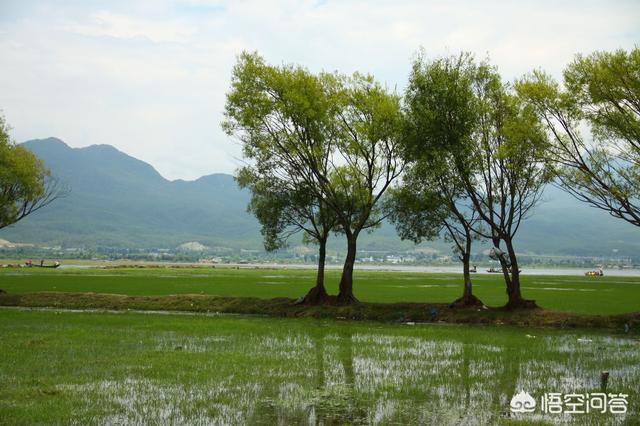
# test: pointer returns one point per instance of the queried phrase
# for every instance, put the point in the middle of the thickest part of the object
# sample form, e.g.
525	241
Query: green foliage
507	171
417	207
440	116
602	90
282	116
440	107
280	210
474	142
606	88
331	134
22	179
366	159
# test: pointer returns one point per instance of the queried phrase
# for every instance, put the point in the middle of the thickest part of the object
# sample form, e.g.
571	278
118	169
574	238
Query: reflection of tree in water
328	394
477	384
507	374
336	403
346	355
318	345
441	380
464	373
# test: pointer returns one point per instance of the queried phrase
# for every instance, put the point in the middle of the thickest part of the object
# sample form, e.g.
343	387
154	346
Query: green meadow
96	367
583	295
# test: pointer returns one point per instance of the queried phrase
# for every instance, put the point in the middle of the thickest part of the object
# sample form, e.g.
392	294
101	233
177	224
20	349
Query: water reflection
350	374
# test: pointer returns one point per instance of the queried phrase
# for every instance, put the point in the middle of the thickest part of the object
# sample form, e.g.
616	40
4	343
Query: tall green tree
428	204
26	185
331	136
364	164
283	116
432	199
601	90
492	144
511	171
283	211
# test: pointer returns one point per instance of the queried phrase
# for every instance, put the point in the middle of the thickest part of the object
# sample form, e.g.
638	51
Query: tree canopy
282	116
482	147
26	185
601	90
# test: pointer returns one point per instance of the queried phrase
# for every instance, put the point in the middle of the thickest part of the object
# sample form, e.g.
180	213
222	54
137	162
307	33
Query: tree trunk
516	300
503	264
318	294
467	299
345	295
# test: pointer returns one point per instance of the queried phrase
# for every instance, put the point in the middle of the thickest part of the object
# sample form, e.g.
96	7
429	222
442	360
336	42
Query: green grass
599	296
99	368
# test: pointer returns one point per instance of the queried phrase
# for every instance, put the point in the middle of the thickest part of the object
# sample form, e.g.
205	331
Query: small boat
42	265
597	273
474	269
499	271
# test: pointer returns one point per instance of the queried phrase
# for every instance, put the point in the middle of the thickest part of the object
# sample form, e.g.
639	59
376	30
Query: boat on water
499	271
30	264
597	273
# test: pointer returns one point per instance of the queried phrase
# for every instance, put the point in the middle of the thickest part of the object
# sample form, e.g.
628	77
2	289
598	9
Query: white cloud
107	24
150	77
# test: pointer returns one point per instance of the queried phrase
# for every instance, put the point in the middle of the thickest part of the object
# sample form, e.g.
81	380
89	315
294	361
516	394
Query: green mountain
119	201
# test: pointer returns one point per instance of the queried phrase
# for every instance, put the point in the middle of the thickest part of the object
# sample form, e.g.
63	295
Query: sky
150	77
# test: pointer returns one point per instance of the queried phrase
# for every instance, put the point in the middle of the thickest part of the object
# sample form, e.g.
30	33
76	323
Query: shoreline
410	313
543	271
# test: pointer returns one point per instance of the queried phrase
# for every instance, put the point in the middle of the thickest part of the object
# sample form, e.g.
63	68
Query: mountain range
118	201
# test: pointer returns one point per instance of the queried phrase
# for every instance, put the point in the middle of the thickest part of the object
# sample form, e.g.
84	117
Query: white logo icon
523	403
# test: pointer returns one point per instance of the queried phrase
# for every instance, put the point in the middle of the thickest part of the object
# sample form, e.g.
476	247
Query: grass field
100	368
66	367
598	296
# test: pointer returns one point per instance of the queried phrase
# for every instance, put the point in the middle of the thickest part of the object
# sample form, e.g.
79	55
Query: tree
511	171
603	91
492	141
430	203
26	185
433	197
283	118
328	135
284	211
364	163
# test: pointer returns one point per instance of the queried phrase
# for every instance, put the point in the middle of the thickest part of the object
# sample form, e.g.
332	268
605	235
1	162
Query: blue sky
150	77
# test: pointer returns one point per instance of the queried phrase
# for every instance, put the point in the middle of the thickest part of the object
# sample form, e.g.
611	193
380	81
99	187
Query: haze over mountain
119	201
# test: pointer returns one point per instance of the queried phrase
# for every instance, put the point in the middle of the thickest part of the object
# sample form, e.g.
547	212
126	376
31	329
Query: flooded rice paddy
107	368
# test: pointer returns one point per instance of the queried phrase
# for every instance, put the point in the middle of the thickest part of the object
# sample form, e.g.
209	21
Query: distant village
196	252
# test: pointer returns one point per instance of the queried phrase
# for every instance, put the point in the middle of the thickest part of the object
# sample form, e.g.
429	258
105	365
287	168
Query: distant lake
482	270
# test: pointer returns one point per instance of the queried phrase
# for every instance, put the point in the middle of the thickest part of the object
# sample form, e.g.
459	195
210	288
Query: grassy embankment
609	302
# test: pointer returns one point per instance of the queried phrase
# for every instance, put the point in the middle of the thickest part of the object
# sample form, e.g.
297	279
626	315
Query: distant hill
119	201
